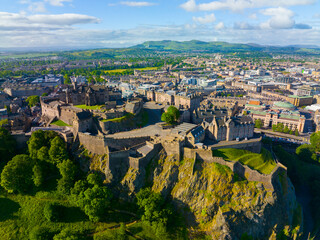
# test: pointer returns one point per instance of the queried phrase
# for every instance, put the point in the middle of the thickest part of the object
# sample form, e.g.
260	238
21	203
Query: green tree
171	115
304	152
92	199
38	176
67	170
57	151
7	145
33	100
155	212
17	174
315	141
280	127
66	78
286	129
274	127
66	234
258	123
296	132
40	233
43	154
52	212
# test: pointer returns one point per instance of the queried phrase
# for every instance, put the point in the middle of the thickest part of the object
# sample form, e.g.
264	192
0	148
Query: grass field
20	214
123	70
263	162
96	107
120	119
60	123
26	55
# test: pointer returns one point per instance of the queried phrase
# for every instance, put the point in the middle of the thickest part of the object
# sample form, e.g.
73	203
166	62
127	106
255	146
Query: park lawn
123	70
21	213
262	162
60	123
96	107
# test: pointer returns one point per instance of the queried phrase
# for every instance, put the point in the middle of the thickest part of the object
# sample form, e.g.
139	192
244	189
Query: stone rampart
142	162
243	171
94	144
124	143
253	145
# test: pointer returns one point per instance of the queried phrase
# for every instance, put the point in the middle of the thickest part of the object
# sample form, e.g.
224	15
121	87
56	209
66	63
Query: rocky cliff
214	200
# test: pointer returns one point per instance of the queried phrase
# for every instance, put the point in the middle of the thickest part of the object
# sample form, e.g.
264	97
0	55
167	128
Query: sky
111	23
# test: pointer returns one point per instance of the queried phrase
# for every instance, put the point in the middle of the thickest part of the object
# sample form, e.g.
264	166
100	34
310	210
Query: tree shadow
8	208
71	214
135	230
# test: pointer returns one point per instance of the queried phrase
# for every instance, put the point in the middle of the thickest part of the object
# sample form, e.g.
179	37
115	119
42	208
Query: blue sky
112	23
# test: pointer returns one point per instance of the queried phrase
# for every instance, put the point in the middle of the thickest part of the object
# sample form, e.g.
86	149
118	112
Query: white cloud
41	22
219	26
137	4
253	16
281	18
240	5
57	3
205	20
35	6
189	6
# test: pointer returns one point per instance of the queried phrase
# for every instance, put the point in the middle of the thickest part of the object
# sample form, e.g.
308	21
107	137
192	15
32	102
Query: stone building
281	112
229	128
91	95
299	101
183	100
52	109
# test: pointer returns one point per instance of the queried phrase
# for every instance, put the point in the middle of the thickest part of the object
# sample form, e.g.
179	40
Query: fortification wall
94	144
124	143
172	148
242	170
250	145
118	159
142	162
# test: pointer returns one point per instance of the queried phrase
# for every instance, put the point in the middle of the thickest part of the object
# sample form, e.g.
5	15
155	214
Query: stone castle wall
124	143
142	162
242	170
94	144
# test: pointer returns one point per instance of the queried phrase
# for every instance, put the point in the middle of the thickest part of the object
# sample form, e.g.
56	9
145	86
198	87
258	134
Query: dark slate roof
196	131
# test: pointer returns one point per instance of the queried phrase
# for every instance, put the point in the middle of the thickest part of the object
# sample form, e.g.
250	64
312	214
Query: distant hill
223	47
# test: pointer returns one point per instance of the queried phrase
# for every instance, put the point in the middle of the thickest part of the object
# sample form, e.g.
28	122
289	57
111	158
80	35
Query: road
154	112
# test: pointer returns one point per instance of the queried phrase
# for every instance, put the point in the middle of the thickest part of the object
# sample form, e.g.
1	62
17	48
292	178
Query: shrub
52	212
40	233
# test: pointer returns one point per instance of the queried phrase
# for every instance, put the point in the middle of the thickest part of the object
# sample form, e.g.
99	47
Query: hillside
222	47
214	201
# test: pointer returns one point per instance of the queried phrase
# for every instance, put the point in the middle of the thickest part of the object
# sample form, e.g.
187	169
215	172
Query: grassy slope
123	70
60	123
96	107
21	213
263	162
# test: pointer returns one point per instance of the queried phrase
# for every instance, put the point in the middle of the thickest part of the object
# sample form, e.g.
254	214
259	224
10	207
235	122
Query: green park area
262	162
123	70
60	123
95	107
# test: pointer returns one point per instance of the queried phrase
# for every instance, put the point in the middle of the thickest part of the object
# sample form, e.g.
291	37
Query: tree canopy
17	174
33	100
7	145
171	115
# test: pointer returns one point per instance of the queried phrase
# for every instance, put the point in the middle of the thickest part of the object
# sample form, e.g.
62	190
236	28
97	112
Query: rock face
214	200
